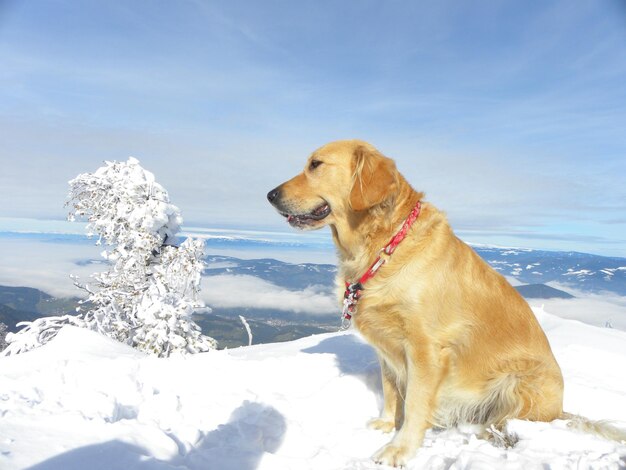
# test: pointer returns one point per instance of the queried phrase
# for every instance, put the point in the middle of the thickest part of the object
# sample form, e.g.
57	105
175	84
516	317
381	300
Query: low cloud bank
46	265
602	310
229	291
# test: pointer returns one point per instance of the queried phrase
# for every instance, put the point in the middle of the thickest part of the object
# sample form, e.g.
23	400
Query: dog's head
339	179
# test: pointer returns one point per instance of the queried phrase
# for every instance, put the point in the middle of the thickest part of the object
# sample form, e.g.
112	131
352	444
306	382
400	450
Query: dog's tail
602	428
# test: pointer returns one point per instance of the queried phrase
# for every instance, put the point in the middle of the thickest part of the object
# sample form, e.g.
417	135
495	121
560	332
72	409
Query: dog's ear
374	178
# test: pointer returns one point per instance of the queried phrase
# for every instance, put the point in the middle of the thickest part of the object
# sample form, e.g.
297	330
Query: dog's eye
314	164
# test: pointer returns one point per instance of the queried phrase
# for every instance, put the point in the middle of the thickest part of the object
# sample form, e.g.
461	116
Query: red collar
354	289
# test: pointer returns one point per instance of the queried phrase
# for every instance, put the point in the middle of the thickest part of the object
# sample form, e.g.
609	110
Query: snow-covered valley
86	402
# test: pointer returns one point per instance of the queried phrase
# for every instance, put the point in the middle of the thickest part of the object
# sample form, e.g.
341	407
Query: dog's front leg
423	379
391	416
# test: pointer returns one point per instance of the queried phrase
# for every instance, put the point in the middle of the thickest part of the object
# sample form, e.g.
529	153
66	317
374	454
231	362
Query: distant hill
19	304
22	298
10	317
541	291
581	271
292	276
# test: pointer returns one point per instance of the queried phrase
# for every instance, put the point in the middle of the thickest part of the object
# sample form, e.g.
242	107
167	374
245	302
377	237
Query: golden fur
456	342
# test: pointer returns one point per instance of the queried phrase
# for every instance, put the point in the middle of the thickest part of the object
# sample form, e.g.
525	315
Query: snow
582	272
84	401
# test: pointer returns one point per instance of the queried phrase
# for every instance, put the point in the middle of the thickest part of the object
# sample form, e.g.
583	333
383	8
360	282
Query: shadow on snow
353	357
252	430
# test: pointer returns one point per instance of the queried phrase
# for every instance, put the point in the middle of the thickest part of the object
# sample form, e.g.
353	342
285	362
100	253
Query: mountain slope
293	276
541	291
582	271
10	317
22	298
18	304
84	401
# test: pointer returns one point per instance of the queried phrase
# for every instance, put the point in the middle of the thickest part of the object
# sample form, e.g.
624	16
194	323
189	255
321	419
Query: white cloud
593	309
46	265
228	291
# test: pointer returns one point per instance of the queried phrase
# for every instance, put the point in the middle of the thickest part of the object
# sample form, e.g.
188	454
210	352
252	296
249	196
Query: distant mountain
582	271
290	276
22	298
19	304
10	317
541	291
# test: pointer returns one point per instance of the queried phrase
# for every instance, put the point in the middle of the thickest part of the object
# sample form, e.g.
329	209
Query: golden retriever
456	343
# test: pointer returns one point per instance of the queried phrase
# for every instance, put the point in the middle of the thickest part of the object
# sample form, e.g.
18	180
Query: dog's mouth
303	220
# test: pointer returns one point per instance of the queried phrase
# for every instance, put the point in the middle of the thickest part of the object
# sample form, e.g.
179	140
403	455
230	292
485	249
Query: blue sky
511	116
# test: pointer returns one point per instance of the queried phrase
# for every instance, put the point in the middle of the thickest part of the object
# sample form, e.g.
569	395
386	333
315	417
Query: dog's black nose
272	195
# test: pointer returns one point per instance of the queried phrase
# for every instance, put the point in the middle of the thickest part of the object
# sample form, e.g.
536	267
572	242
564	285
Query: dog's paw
382	424
393	455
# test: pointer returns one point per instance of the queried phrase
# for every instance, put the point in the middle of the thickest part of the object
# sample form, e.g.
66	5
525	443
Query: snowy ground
86	402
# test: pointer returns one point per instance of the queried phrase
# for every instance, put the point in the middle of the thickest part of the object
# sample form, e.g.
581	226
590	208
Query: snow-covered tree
148	294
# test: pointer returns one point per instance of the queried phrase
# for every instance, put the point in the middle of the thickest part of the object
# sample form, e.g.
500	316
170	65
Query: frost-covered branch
38	332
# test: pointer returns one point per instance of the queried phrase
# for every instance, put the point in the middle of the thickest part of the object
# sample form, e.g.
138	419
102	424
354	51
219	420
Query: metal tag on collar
345	323
346	314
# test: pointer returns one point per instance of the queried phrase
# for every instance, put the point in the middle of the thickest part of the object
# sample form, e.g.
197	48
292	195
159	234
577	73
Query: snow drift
84	401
